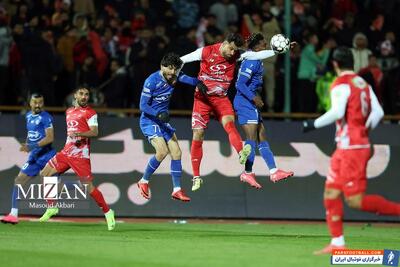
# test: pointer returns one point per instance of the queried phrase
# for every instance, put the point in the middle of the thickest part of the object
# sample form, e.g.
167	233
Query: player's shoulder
28	114
45	115
152	80
90	111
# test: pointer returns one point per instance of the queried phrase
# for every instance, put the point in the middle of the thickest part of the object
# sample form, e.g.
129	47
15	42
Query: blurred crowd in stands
111	46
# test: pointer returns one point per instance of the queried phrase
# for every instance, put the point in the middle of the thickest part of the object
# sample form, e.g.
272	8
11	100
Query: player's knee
176	154
161	153
331	193
19	180
198	134
354	203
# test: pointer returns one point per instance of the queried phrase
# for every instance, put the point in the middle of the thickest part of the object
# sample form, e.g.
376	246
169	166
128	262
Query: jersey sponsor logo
72	123
162	98
218	69
34	135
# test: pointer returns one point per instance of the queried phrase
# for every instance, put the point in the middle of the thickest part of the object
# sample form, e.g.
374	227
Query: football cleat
110	219
244	154
328	249
197	182
180	195
144	189
280	175
9	219
50	212
250	178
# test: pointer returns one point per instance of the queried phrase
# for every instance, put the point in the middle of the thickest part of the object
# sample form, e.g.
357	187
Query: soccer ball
279	43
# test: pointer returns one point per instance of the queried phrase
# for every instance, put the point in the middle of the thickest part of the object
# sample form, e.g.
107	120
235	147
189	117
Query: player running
39	126
154	103
81	126
217	67
356	110
247	104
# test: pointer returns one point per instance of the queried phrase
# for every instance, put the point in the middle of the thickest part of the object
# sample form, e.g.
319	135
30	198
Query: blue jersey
36	125
248	85
157	92
250	78
155	98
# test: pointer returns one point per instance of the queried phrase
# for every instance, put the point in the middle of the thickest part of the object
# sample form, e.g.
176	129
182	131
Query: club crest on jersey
359	82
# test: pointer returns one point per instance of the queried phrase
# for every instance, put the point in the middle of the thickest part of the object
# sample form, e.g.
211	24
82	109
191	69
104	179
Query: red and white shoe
250	178
180	195
280	175
328	249
144	189
9	219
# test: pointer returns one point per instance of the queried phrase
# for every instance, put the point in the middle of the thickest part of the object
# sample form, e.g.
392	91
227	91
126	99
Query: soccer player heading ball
356	111
154	122
247	105
217	68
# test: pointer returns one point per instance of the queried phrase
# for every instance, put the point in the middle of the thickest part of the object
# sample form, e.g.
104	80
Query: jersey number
364	103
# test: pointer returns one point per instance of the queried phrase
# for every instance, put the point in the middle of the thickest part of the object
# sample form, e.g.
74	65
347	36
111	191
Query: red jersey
79	120
351	132
216	72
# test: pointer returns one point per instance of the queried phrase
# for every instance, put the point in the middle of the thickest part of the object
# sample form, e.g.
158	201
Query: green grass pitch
180	245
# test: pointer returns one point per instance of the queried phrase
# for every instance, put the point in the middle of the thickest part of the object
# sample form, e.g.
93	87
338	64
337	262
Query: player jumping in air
39	125
247	104
217	67
154	103
356	111
81	126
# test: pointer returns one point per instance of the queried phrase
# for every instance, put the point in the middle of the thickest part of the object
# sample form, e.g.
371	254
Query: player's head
170	65
342	59
231	45
256	42
81	96
36	102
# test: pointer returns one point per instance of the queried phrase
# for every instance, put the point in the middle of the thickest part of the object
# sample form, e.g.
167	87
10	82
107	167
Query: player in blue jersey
154	104
40	136
247	104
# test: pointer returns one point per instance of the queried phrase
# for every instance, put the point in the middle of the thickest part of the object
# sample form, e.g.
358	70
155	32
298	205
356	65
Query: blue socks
151	168
176	173
267	155
250	160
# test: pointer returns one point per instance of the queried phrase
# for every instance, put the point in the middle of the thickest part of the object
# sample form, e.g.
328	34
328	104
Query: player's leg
20	180
334	219
266	153
333	204
176	169
200	119
248	175
355	191
53	167
161	148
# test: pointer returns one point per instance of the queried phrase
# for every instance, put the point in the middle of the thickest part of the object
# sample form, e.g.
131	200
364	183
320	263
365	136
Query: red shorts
204	105
348	171
80	166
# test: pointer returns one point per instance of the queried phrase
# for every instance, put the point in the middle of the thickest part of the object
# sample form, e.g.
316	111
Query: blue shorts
246	111
34	164
152	129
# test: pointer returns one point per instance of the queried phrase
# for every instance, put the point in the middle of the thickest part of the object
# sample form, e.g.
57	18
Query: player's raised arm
193	56
260	55
376	113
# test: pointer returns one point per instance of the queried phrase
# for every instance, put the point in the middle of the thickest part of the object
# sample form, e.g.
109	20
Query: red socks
380	205
98	197
234	136
334	208
196	153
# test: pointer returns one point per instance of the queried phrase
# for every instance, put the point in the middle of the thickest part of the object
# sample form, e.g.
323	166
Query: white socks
143	181
176	189
273	170
338	241
14	212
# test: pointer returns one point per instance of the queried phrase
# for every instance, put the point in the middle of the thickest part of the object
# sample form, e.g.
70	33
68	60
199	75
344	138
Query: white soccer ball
280	43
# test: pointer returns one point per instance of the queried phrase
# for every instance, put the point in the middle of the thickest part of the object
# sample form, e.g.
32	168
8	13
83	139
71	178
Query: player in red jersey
81	126
217	68
356	110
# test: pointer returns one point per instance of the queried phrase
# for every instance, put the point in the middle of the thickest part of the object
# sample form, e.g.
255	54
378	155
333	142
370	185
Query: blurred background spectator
52	46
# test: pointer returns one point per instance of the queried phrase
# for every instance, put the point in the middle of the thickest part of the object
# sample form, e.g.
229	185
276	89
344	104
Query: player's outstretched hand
202	87
163	116
308	125
258	102
293	44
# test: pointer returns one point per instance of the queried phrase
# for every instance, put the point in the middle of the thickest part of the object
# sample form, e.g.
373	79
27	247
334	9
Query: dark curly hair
171	59
254	39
